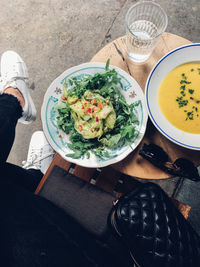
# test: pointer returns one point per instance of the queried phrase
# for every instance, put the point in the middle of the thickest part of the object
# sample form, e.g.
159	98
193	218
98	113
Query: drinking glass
145	22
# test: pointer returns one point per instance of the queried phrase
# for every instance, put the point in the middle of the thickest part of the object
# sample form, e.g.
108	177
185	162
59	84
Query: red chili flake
60	136
80	127
93	101
97	119
89	110
95	109
64	98
100	105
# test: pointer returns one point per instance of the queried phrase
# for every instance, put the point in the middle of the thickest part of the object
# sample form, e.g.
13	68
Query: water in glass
141	40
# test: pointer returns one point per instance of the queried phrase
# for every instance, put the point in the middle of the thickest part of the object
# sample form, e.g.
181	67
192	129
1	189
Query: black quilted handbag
153	229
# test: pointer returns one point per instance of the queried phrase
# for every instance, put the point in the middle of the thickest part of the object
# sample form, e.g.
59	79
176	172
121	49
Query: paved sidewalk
53	35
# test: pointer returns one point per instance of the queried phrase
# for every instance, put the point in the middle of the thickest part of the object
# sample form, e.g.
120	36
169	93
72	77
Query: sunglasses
181	167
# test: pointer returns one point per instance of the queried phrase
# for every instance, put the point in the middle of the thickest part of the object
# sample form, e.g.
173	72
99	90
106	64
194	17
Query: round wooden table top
134	164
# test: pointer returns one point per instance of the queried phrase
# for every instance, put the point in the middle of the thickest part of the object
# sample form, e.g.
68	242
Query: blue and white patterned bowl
129	89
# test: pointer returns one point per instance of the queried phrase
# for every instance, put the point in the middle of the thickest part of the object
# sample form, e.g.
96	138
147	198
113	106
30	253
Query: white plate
129	89
181	55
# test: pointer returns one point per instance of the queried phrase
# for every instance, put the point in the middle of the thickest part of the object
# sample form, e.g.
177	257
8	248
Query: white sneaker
14	74
40	153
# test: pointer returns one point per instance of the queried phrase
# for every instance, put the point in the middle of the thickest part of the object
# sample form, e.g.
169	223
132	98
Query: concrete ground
54	35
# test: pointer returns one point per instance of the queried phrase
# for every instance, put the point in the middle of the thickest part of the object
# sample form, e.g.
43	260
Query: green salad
95	114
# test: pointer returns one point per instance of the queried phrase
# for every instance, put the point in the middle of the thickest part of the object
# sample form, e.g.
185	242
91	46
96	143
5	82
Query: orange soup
179	97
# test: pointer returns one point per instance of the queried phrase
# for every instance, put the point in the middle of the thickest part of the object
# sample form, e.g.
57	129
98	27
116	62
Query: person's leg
16	105
28	179
34	232
15	100
29	237
40	155
10	112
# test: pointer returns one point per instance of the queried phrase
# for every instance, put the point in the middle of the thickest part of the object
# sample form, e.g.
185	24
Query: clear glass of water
145	22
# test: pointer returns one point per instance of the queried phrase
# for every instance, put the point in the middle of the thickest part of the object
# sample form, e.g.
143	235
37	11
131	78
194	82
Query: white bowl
129	89
181	55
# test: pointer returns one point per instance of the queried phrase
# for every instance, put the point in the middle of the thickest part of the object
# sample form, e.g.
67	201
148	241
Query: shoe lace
35	160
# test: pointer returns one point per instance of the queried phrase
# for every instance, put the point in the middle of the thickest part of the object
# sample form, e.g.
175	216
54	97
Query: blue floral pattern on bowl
59	140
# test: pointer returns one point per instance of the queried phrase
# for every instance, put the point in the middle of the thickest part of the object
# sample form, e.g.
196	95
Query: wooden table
109	178
134	164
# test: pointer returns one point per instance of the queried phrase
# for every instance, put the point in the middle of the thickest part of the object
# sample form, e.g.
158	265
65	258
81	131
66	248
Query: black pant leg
35	233
10	112
28	179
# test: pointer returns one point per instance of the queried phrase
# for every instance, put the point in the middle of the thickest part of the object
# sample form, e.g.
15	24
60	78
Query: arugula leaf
107	64
76	155
111	142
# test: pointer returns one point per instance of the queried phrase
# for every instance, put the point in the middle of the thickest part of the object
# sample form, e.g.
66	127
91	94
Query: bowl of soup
172	96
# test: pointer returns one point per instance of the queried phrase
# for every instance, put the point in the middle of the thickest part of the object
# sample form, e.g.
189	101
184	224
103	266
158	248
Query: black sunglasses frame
182	167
